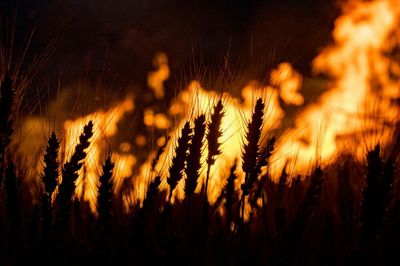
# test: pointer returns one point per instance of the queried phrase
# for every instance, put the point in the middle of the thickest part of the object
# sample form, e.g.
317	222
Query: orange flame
105	126
288	81
353	104
155	79
357	105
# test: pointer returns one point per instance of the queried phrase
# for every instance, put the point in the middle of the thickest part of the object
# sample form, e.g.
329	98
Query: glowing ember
155	79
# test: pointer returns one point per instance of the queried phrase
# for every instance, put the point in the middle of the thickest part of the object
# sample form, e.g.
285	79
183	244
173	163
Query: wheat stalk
49	179
193	159
70	175
105	195
179	159
213	135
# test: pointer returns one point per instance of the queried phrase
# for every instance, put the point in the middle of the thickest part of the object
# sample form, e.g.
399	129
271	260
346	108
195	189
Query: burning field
284	168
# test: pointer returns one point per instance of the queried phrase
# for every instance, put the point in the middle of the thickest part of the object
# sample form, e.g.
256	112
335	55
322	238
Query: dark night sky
256	34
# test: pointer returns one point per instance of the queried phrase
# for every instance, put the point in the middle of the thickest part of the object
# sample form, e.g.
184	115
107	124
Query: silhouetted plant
179	159
193	159
305	211
371	193
378	179
280	215
151	194
51	168
105	195
7	95
12	202
262	161
49	179
231	195
251	151
213	136
346	201
70	175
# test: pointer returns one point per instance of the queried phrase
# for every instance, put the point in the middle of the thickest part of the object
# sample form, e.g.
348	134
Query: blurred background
121	37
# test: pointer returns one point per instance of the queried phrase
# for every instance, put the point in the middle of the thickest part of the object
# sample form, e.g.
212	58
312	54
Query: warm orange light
156	79
353	114
357	103
105	126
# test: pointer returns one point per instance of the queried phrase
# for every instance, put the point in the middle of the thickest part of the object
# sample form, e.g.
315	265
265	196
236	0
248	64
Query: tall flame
357	103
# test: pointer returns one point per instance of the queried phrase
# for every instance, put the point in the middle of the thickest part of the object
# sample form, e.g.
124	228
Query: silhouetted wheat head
70	174
194	158
105	196
178	161
251	161
213	136
50	178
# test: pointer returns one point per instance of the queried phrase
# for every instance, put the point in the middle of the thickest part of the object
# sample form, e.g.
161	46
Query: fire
357	102
195	100
289	82
105	126
159	121
155	79
357	107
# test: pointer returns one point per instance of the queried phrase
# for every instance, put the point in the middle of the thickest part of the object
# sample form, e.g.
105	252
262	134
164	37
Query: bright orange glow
159	121
125	146
155	79
288	81
195	100
354	113
354	105
105	126
141	140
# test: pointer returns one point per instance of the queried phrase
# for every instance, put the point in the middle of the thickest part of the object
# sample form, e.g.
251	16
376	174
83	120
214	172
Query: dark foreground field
346	213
